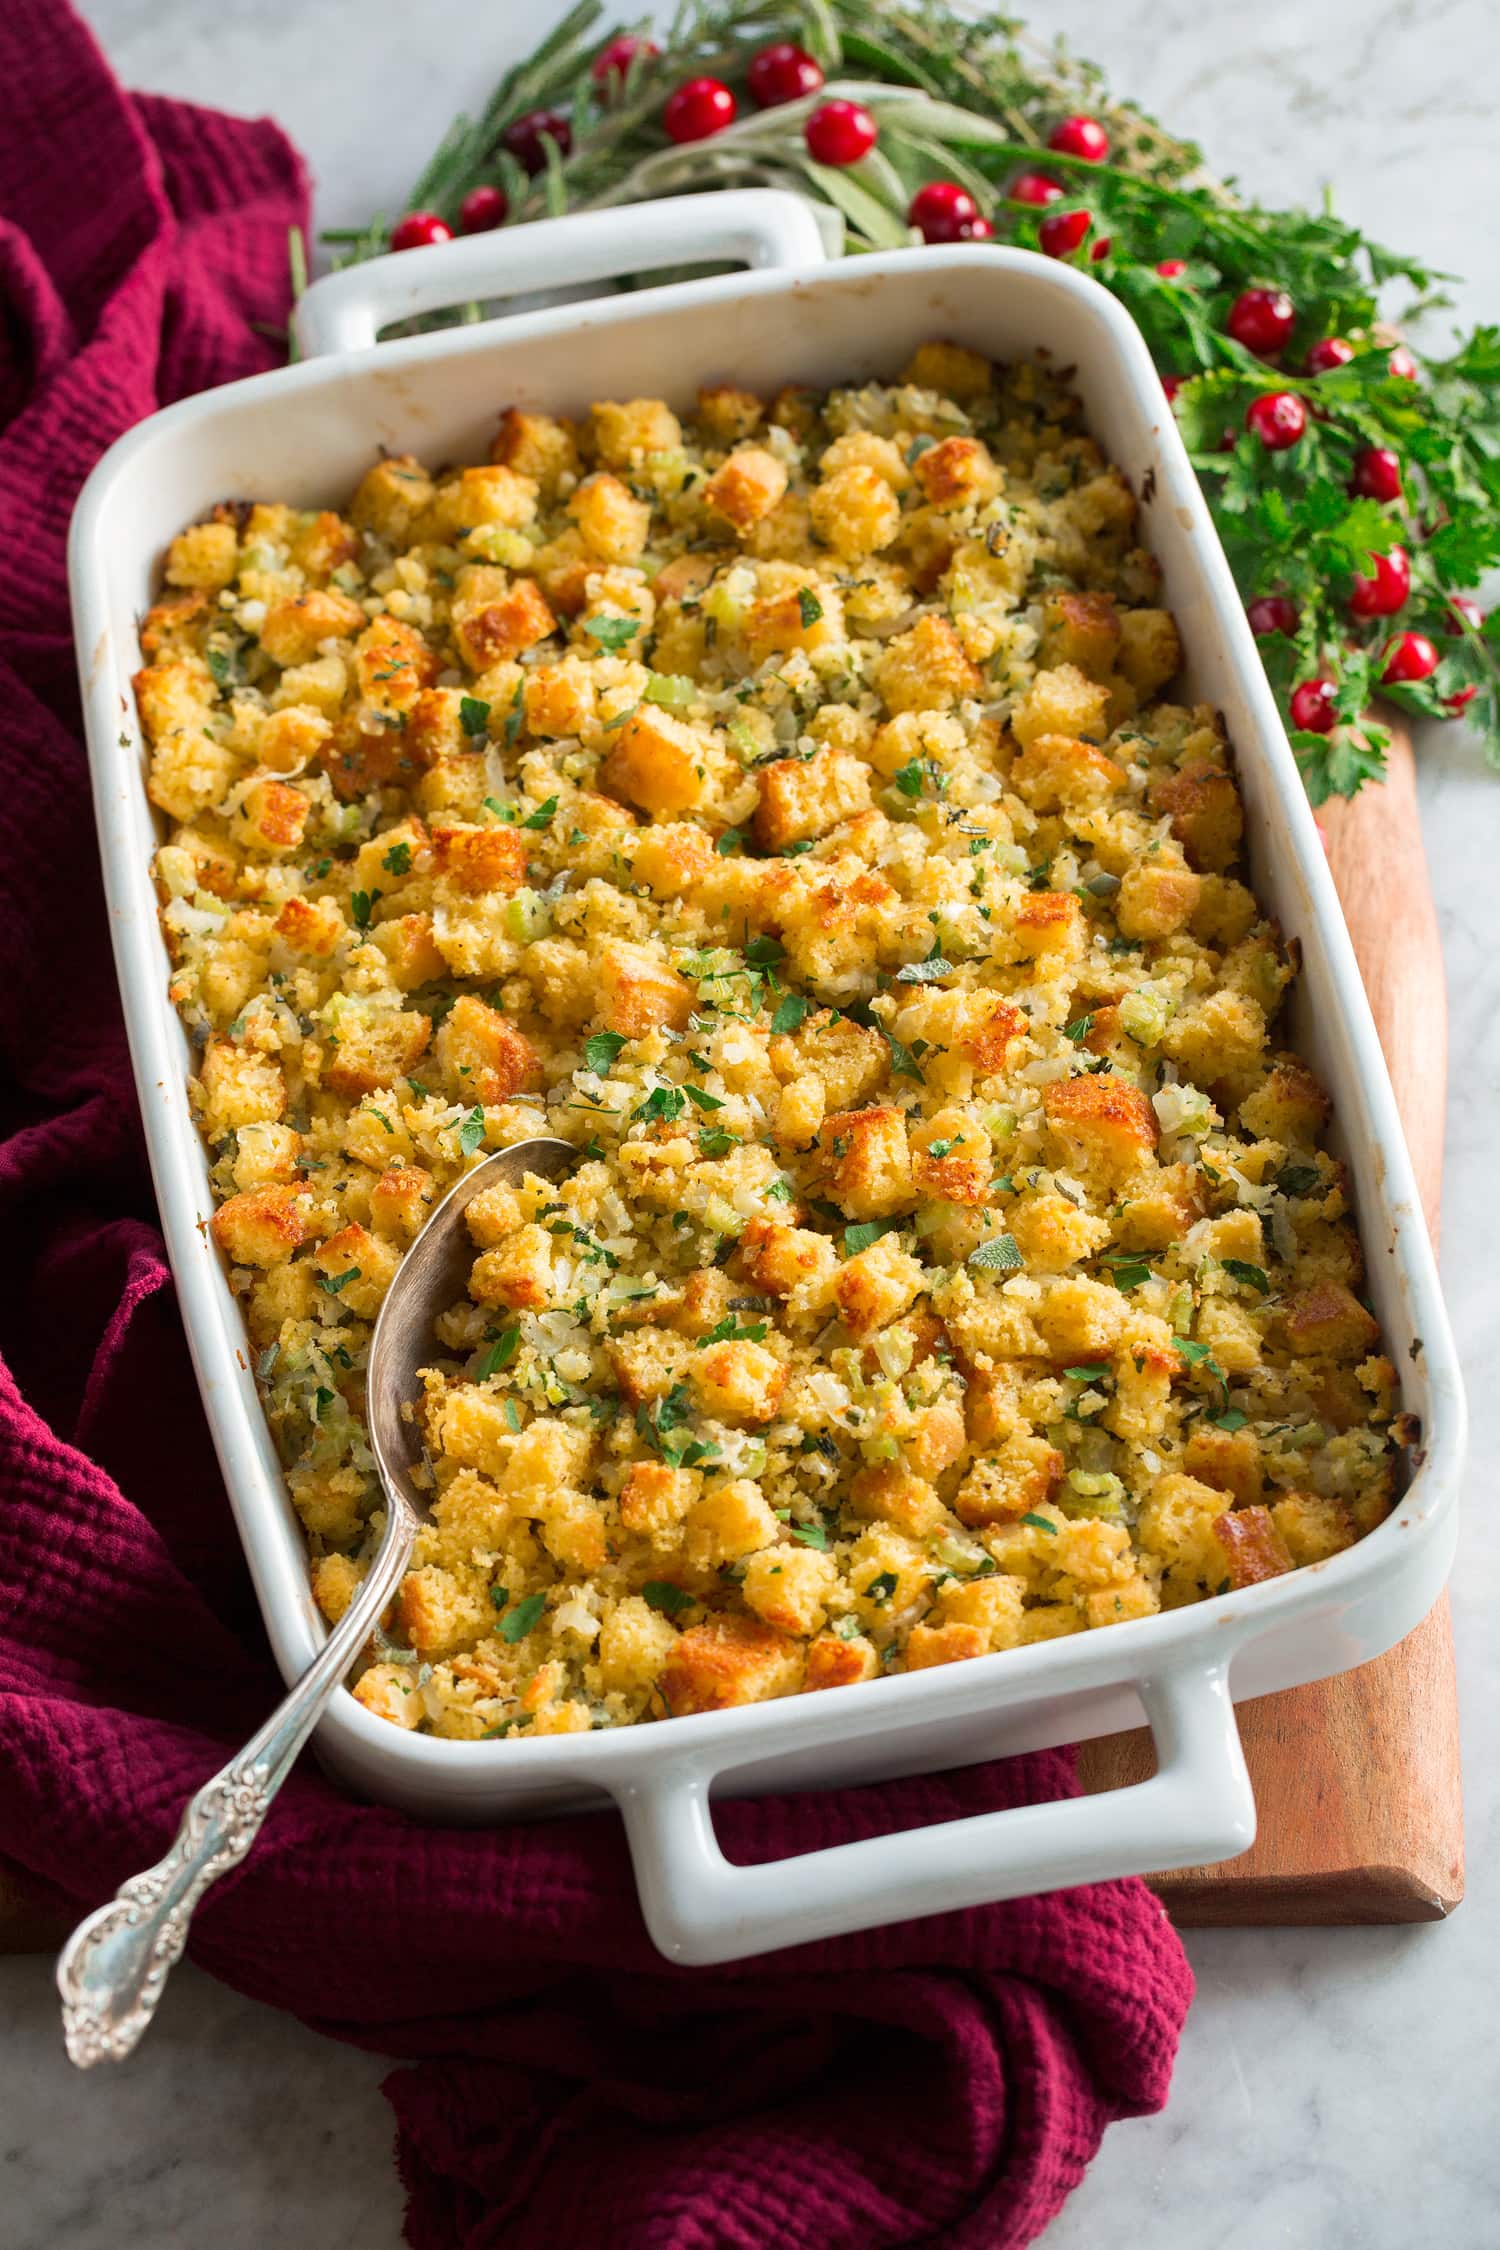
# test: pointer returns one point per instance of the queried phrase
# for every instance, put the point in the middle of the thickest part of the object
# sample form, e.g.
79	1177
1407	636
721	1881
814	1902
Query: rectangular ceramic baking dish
305	434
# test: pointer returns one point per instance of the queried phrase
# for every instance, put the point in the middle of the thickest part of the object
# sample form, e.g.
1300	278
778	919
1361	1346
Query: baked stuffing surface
781	805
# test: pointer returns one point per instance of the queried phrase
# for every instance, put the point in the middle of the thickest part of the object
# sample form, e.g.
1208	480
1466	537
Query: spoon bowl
114	1967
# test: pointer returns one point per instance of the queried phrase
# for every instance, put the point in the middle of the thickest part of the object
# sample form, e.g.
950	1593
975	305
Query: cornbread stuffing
780	805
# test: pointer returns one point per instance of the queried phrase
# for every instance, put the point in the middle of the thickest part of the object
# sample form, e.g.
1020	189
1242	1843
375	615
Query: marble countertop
1336	2090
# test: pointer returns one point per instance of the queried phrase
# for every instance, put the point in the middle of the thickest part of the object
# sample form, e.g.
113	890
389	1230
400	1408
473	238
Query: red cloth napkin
943	2081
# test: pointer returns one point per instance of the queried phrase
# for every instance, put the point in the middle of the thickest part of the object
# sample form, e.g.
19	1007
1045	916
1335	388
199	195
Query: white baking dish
305	434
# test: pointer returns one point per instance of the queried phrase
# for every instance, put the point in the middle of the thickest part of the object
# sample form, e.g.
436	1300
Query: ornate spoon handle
114	1968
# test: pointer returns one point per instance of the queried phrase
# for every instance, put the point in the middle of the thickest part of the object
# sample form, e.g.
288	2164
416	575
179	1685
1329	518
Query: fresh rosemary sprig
970	100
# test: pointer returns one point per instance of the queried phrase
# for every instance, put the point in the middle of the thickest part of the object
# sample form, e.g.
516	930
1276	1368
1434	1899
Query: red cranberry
481	209
612	62
1464	606
1101	249
525	138
1410	656
977	229
1402	365
1461	700
1172	269
1314	708
1384	591
1080	136
1261	320
1172	384
418	229
1330	351
699	108
840	133
1273	613
1035	187
783	73
940	209
1377	473
1278	419
1061	232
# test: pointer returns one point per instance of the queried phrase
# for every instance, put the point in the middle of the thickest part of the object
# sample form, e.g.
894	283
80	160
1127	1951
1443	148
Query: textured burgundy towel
943	2081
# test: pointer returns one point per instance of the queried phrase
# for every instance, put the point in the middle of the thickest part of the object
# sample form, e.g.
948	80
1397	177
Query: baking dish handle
761	227
700	1908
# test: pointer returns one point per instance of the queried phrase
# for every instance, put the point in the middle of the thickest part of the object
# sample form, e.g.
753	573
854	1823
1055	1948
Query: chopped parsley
809	606
601	1051
612	632
474	714
791	1012
543	816
517	1623
332	1283
362	905
500	1354
1040	1523
471	1131
857	1238
663	1102
660	1593
397	860
1252	1276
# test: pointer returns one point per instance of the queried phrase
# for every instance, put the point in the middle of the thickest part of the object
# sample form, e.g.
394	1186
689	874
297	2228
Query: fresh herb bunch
1320	446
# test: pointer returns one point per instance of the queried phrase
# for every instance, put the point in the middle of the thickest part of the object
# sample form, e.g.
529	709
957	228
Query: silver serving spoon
113	1969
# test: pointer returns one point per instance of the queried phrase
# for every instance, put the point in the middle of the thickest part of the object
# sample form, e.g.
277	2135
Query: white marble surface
1337	2090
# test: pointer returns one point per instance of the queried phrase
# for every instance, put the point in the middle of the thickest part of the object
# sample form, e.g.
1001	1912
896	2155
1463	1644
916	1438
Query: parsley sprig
974	101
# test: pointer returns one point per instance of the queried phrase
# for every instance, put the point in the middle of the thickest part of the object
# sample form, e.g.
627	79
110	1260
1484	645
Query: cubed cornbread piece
336	1580
357	1268
205	555
493	620
412	955
1228	1459
927	1645
536	446
1052	1233
952	1158
1061	701
265	1153
957	472
1157	897
1313	1527
1049	925
655	1498
497	495
1176	1524
780	1259
868	1161
746	488
789	1586
292	738
517	1272
1102	1123
295	628
1011	1482
190	772
390	1691
260	1227
1058	771
559	699
439	1612
390	496
728	1523
1253	1546
671	856
738	1381
1329	1320
480	859
638	991
658	762
835	1661
272	816
1150	650
877	1285
623	432
727	1661
993	1604
482	1056
949	368
855	511
401	1199
394	666
1082	630
1080	1320
374	1048
1288	1105
798	610
926	669
238	1087
1204	807
634	1643
801	798
614	524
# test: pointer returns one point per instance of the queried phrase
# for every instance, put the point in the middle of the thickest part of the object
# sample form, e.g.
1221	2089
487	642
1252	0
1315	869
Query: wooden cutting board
1356	1779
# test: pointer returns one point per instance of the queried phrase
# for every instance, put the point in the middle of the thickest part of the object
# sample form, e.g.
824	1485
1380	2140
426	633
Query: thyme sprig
972	99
